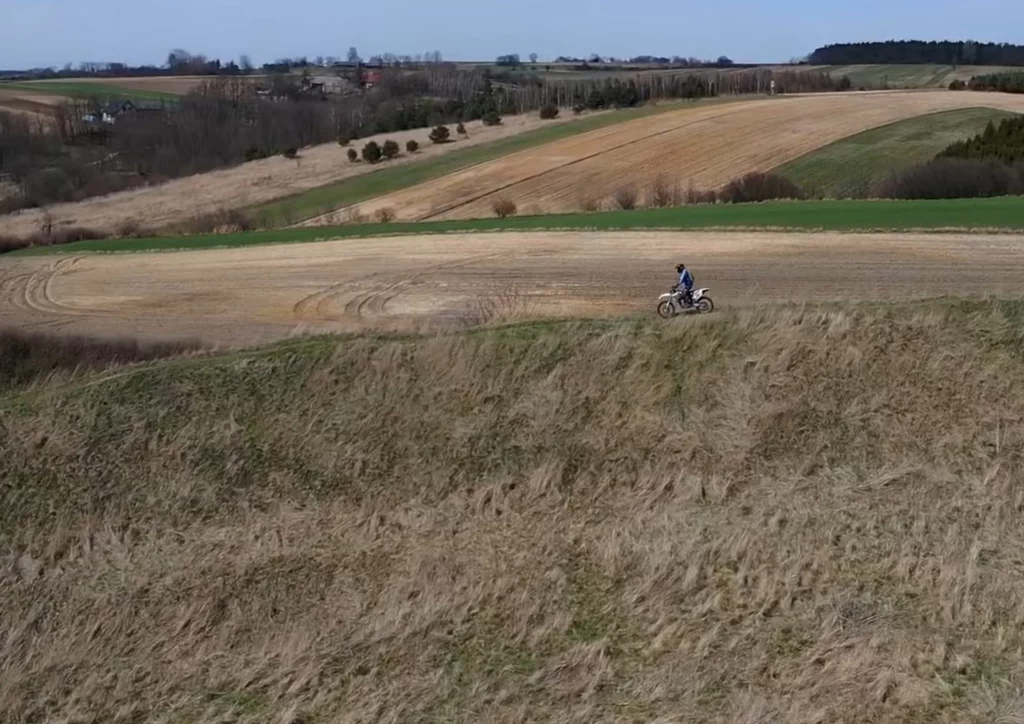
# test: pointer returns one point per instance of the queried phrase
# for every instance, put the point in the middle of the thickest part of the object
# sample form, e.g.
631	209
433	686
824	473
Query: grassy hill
788	514
918	75
852	166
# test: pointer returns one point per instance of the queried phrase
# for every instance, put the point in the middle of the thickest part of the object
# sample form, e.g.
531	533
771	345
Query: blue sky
53	32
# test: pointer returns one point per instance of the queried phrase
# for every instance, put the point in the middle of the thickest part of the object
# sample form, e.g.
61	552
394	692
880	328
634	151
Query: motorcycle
672	304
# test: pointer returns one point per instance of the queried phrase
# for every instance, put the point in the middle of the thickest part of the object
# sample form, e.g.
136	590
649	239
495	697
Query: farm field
259	182
142	88
704	148
921	75
252	295
851	167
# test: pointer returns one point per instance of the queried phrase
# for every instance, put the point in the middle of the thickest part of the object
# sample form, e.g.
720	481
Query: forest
960	52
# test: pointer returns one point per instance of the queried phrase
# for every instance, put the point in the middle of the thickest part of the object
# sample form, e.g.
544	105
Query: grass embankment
325	199
73	89
850	168
995	214
794	514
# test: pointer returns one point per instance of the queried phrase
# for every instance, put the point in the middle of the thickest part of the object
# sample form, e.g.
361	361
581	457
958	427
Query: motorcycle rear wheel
705	305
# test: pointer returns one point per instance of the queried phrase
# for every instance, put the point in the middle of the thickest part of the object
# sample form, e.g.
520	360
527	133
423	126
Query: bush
625	198
130	229
384	215
504	208
372	152
491	118
48	186
957	85
759	186
578	109
389	150
441	134
589	203
695	196
344	139
549	112
954	178
25	356
352	155
412	146
461	130
226	221
291	153
662	194
254	154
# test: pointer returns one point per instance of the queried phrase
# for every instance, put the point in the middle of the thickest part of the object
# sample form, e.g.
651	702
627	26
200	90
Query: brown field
251	183
245	296
703	147
179	85
28	102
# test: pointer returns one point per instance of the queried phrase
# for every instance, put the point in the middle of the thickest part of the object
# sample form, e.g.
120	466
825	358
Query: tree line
1002	82
960	52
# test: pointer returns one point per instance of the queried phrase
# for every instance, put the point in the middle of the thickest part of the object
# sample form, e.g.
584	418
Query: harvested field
704	147
245	296
178	85
253	183
29	102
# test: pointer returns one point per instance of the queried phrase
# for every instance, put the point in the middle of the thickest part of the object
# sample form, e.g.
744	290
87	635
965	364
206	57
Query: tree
246	63
352	155
511	61
353	55
390	149
372	152
549	112
724	60
440	134
491	118
504	208
412	146
533	58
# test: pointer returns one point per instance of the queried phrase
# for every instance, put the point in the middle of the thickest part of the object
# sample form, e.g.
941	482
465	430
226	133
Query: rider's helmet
679	268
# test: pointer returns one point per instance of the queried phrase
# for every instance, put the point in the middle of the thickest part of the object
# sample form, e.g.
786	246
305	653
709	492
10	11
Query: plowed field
703	147
244	296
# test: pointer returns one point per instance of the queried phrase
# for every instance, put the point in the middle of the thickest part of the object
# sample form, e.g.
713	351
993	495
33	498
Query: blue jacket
686	280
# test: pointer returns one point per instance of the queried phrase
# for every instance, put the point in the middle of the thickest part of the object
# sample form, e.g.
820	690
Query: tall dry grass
799	515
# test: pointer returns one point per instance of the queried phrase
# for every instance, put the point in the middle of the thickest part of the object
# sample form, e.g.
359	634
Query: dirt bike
672	304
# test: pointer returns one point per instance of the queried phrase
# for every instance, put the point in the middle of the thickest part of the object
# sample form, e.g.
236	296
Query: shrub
384	215
626	198
549	112
957	85
589	203
662	194
759	186
504	208
255	154
291	152
412	146
225	221
129	229
344	139
48	186
372	152
954	178
578	109
441	134
696	196
461	130
390	150
25	356
352	155
491	118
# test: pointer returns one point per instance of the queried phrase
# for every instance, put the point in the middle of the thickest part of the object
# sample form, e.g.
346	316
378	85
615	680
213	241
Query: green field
998	214
79	89
851	167
325	199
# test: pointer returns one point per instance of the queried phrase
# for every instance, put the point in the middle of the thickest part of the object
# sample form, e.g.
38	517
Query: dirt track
245	296
703	147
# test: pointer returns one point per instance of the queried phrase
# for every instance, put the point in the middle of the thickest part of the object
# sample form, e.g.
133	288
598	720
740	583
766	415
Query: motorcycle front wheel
705	305
665	310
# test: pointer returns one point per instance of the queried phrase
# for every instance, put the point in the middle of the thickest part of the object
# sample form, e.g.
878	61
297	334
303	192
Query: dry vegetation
704	147
797	514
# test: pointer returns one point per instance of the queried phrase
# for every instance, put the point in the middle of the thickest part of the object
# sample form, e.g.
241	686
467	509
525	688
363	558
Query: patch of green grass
1006	213
850	167
324	199
79	89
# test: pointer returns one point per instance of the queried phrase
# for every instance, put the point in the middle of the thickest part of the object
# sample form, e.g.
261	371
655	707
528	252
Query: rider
685	286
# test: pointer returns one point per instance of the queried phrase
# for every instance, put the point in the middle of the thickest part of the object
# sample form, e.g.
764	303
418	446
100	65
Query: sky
44	33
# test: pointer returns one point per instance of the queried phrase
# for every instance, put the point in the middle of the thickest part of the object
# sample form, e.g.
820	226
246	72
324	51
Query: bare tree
246	63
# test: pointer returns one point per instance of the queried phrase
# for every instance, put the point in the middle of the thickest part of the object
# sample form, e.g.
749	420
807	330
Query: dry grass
799	515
